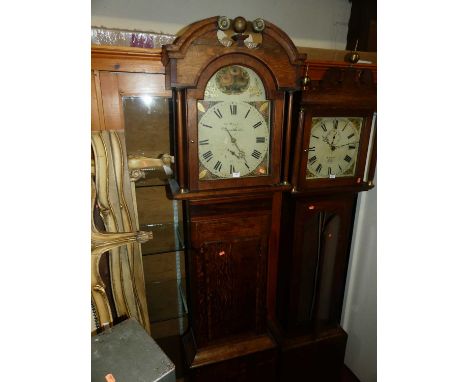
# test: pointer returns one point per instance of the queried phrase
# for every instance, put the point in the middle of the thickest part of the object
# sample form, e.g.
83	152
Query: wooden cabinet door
228	279
319	245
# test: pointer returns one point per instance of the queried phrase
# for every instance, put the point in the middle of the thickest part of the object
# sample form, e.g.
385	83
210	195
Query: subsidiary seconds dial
333	147
233	139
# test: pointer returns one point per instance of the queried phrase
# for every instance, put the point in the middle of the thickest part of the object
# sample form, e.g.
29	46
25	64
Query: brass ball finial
223	23
240	24
258	25
353	57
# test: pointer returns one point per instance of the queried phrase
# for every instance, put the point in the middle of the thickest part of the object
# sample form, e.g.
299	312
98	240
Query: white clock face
233	139
333	147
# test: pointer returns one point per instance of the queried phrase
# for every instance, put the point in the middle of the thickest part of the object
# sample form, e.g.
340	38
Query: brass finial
353	57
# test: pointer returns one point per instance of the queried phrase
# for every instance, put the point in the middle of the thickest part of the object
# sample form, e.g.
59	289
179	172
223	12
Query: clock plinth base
247	360
320	358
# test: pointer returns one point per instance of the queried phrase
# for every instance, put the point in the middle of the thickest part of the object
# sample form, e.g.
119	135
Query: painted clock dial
333	147
233	126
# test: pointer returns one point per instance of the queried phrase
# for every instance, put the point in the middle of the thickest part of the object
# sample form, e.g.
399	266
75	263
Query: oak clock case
333	162
230	80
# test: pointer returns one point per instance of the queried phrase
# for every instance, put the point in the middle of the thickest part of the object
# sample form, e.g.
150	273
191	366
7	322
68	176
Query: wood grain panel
228	277
112	106
126	59
142	83
231	267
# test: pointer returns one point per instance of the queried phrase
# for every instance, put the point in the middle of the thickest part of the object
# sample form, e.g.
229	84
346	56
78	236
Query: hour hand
233	153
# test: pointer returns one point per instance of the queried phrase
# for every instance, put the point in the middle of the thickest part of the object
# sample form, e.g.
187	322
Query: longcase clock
334	160
233	82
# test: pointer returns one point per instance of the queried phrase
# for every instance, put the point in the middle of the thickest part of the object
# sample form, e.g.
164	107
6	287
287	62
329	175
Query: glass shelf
166	300
167	237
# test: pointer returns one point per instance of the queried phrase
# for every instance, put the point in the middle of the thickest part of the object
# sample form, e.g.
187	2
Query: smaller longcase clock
233	126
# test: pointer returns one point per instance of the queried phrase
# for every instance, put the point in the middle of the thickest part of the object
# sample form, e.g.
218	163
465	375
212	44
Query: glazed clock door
334	148
233	126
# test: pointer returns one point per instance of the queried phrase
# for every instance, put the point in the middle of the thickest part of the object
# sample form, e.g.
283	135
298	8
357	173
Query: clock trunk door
322	229
228	262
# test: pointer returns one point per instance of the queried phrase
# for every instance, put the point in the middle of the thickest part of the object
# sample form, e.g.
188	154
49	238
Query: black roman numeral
340	168
257	124
218	166
208	156
232	169
329	171
350	136
260	139
233	109
344	127
324	128
347	158
246	165
205	125
351	147
312	160
312	148
203	142
218	113
319	167
315	136
256	154
335	124
248	111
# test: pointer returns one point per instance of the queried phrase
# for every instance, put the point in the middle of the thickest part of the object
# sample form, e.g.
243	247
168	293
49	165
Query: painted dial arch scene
233	126
333	147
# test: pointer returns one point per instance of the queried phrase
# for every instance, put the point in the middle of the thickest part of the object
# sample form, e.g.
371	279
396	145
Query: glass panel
160	215
147	135
234	126
147	121
165	286
167	300
333	147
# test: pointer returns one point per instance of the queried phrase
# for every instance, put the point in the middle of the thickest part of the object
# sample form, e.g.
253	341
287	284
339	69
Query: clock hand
349	143
241	153
234	140
233	153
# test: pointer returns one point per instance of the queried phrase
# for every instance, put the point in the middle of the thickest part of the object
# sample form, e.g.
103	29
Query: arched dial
333	147
233	139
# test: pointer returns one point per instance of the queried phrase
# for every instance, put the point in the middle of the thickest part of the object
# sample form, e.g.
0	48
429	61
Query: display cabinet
139	105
